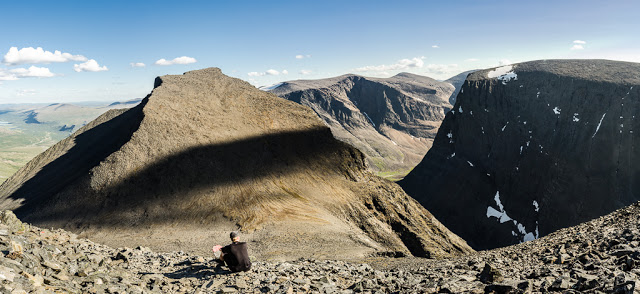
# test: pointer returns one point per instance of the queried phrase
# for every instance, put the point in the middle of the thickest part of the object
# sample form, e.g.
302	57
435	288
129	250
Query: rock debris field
600	256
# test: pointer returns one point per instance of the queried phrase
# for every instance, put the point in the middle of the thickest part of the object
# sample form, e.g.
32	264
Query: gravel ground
600	256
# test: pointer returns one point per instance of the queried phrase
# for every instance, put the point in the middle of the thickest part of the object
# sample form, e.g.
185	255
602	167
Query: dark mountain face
532	148
393	121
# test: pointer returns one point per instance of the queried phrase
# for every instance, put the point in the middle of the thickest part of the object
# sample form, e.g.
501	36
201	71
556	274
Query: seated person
234	255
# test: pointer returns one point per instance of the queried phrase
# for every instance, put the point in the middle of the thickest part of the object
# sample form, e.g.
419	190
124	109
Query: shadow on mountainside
198	183
91	147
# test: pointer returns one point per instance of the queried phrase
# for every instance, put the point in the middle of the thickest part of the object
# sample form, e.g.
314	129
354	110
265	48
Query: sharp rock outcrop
392	121
533	147
205	154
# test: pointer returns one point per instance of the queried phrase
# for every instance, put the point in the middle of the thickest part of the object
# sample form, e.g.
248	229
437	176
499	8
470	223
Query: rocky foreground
601	256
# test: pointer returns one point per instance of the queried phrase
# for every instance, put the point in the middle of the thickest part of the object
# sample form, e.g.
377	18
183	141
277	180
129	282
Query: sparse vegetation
21	141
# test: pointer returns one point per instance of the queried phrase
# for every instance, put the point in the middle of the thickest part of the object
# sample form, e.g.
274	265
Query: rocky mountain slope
392	121
601	256
531	148
205	154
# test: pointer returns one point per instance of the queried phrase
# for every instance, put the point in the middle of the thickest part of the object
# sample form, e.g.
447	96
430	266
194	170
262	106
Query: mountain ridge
392	120
207	150
531	148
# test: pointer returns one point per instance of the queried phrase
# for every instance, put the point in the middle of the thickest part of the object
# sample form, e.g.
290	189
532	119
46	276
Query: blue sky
265	42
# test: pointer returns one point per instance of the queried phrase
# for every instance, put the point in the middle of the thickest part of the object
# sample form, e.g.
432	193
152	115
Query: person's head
235	237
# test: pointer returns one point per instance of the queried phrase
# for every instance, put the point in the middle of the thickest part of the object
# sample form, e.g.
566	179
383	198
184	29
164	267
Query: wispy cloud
269	72
177	60
402	64
30	55
90	65
31	72
305	72
435	46
300	56
5	75
26	92
441	69
137	64
578	45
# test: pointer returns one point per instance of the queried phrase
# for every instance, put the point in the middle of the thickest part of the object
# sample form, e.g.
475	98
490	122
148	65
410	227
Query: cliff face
205	154
532	148
392	121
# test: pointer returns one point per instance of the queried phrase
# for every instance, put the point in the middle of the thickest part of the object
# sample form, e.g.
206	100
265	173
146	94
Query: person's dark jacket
236	256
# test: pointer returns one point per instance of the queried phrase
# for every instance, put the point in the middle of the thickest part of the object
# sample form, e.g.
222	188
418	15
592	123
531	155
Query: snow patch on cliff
503	73
371	121
599	124
503	217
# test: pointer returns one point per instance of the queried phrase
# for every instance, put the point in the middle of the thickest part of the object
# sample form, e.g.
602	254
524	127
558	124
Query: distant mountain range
205	154
28	129
531	148
393	120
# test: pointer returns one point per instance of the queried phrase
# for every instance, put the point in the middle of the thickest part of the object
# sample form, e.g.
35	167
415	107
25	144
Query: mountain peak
205	153
406	75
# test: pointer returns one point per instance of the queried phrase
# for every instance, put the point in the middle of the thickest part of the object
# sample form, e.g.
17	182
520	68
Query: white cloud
402	64
31	72
435	46
270	72
305	72
578	45
7	76
90	65
177	60
504	62
300	56
38	55
137	64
